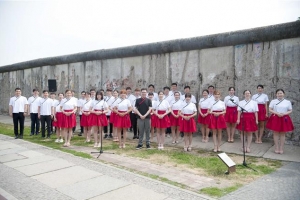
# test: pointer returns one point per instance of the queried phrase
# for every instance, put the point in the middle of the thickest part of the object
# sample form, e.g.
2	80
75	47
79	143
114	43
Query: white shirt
211	96
172	93
170	97
98	105
163	105
250	107
45	106
56	105
280	106
18	103
229	103
260	98
155	96
85	105
115	103
34	103
176	105
154	104
80	103
69	104
109	100
189	108
193	99
217	105
204	103
123	105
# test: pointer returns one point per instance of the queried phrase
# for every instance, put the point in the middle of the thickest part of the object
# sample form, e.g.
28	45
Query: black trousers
46	119
81	127
110	126
133	120
35	123
18	118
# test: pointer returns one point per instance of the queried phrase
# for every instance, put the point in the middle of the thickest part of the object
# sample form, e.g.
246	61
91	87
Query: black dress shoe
20	136
31	134
79	134
16	137
134	137
110	135
105	136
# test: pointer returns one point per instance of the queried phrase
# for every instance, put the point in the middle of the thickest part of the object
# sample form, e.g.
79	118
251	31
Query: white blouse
69	104
123	105
189	108
248	106
154	104
260	98
56	104
204	103
34	104
45	106
176	105
229	103
86	104
18	103
217	105
110	101
98	105
163	105
281	106
170	97
80	102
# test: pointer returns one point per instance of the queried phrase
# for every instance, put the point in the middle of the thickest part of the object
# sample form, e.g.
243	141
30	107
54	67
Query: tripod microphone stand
243	131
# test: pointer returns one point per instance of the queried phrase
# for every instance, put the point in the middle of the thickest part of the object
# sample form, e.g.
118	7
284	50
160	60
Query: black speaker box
52	85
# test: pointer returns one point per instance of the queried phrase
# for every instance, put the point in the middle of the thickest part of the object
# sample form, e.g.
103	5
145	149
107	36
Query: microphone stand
243	131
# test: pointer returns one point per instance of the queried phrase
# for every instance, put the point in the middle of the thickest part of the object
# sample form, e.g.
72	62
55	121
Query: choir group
166	112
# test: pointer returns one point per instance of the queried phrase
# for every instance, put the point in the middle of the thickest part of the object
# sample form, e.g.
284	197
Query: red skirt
59	118
262	112
164	122
187	126
280	124
86	120
122	121
99	120
231	115
248	121
217	122
174	121
112	117
204	120
153	120
68	121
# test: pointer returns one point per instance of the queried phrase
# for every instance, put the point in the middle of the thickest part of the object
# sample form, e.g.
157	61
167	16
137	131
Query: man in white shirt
33	103
211	90
93	94
109	99
187	90
168	95
133	116
151	90
174	89
80	103
44	113
18	106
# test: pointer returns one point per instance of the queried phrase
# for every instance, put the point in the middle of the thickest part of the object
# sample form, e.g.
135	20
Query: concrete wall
274	64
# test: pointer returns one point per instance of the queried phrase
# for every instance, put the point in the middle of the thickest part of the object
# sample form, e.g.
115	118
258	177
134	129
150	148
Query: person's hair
217	92
45	91
143	89
101	90
246	91
83	92
92	90
261	86
187	87
231	88
35	90
52	93
108	90
18	89
137	89
73	91
160	92
128	88
123	91
174	84
88	93
205	91
67	91
278	90
166	87
188	95
151	85
116	91
176	93
99	93
60	94
211	86
150	94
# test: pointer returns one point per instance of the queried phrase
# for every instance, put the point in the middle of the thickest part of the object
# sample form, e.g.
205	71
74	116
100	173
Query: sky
38	29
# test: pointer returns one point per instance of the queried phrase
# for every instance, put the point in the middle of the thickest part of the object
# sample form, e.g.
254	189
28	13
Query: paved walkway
31	171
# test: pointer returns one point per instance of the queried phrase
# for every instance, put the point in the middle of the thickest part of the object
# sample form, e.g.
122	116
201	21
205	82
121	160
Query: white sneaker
95	145
99	145
57	140
61	140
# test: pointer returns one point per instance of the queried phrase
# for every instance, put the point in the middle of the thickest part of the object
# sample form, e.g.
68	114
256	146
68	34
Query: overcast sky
38	29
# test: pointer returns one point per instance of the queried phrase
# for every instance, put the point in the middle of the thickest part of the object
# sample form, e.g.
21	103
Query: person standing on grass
176	106
44	113
143	108
17	110
33	103
153	117
86	117
113	115
204	116
57	118
109	100
80	103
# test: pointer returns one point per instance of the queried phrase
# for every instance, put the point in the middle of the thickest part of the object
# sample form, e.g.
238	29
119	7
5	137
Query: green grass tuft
219	192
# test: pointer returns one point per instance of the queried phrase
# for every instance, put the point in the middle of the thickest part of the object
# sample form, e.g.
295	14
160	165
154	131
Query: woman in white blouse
204	116
122	120
176	106
162	110
68	107
217	120
57	118
231	103
188	124
86	117
280	122
247	121
98	108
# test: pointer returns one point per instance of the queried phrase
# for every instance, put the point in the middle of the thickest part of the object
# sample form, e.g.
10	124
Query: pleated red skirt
59	118
98	120
174	121
248	121
204	120
217	122
231	115
153	120
86	120
262	112
68	121
187	126
280	124
122	121
112	117
164	122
